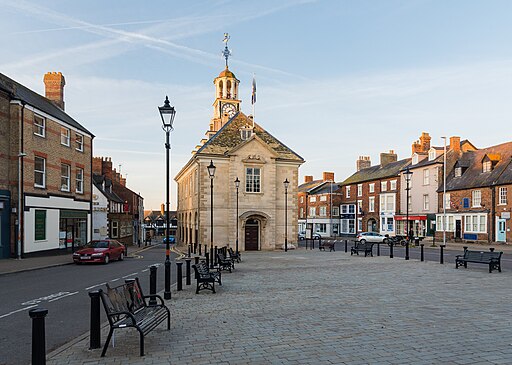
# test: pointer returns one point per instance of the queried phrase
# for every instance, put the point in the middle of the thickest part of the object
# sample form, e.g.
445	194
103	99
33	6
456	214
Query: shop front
72	229
418	223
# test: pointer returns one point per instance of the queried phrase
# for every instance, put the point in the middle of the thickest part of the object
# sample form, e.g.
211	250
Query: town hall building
260	212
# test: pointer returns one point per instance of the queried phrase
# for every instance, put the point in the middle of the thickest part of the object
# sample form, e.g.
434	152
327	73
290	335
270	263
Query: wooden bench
234	255
366	247
225	263
126	306
327	244
493	259
205	278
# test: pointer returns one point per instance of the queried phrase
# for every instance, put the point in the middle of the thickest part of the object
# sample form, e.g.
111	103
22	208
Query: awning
411	217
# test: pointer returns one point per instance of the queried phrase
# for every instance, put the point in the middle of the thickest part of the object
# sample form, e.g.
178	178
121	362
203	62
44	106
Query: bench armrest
155	296
128	314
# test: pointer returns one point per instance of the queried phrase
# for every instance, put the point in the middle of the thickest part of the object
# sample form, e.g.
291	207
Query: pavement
312	307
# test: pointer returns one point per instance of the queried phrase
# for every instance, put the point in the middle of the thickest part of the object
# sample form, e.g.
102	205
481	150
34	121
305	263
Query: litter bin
416	241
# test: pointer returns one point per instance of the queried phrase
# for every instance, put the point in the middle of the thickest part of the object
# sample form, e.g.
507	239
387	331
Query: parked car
102	251
172	239
315	236
371	237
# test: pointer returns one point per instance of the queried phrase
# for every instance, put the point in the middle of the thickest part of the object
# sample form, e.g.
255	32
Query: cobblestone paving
310	307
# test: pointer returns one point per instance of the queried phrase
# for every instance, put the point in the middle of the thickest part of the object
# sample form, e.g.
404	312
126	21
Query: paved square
311	307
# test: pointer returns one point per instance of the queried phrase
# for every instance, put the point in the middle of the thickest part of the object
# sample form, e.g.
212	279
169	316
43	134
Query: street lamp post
444	192
211	172
167	113
286	183
408	174
237	185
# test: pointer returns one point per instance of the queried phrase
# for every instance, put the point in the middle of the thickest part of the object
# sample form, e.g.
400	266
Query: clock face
229	109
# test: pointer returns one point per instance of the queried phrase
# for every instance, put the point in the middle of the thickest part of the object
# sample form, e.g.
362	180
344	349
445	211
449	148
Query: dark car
102	251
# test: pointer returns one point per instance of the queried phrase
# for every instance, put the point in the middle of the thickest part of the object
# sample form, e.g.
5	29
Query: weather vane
226	53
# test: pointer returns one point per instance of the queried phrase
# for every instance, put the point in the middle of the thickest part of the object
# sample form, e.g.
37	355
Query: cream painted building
239	148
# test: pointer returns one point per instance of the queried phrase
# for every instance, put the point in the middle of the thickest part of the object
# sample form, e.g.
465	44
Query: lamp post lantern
167	113
286	183
237	185
211	173
408	175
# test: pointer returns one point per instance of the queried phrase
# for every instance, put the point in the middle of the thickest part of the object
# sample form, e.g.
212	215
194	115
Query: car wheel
121	256
363	241
106	260
385	240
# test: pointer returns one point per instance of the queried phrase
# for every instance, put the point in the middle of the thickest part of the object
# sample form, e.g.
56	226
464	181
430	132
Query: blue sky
336	79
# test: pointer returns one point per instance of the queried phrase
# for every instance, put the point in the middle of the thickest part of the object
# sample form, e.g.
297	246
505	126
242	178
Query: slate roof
98	180
18	91
325	188
473	177
306	187
377	172
228	137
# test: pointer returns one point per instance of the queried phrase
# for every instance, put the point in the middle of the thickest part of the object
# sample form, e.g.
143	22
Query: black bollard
407	249
216	252
465	248
422	257
378	249
441	257
196	262
195	248
199	249
187	271
491	249
391	251
207	256
152	284
95	326
306	243
189	248
179	276
38	336
346	245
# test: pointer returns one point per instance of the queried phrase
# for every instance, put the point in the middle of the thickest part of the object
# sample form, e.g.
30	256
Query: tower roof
227	73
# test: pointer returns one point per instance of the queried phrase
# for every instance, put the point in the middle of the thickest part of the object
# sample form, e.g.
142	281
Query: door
458	228
501	235
372	225
252	230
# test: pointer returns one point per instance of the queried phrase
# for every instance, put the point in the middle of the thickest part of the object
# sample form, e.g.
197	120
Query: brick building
125	226
318	204
371	196
478	196
45	170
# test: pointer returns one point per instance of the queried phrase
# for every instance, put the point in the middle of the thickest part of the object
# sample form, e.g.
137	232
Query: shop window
40	225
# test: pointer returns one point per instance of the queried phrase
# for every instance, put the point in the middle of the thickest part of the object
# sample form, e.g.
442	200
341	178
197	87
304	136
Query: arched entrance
372	225
252	235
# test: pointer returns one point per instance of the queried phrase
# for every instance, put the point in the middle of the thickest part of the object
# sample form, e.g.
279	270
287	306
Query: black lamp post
167	114
286	183
237	185
408	175
211	172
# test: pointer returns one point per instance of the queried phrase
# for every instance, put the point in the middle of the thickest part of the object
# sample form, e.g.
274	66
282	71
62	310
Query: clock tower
226	103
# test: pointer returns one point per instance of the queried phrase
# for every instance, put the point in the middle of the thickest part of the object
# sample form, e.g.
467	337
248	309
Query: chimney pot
363	163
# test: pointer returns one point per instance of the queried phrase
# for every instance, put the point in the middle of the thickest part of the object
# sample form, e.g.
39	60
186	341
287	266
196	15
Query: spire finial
226	53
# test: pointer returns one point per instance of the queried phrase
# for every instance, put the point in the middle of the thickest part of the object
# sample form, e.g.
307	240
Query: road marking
16	311
145	270
46	298
95	286
127	276
115	279
63	296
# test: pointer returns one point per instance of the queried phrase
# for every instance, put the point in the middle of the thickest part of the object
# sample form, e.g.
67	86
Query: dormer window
432	155
245	133
415	159
458	171
487	166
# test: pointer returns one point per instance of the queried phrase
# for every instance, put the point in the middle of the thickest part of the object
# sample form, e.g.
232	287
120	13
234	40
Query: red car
100	251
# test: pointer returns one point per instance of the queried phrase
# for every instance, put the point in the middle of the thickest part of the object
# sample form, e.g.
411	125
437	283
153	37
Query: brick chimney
387	157
363	162
328	176
162	209
106	167
455	143
54	88
425	141
416	147
308	179
96	165
122	180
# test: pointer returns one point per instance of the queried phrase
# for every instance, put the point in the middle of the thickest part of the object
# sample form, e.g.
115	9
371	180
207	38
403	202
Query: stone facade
239	148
